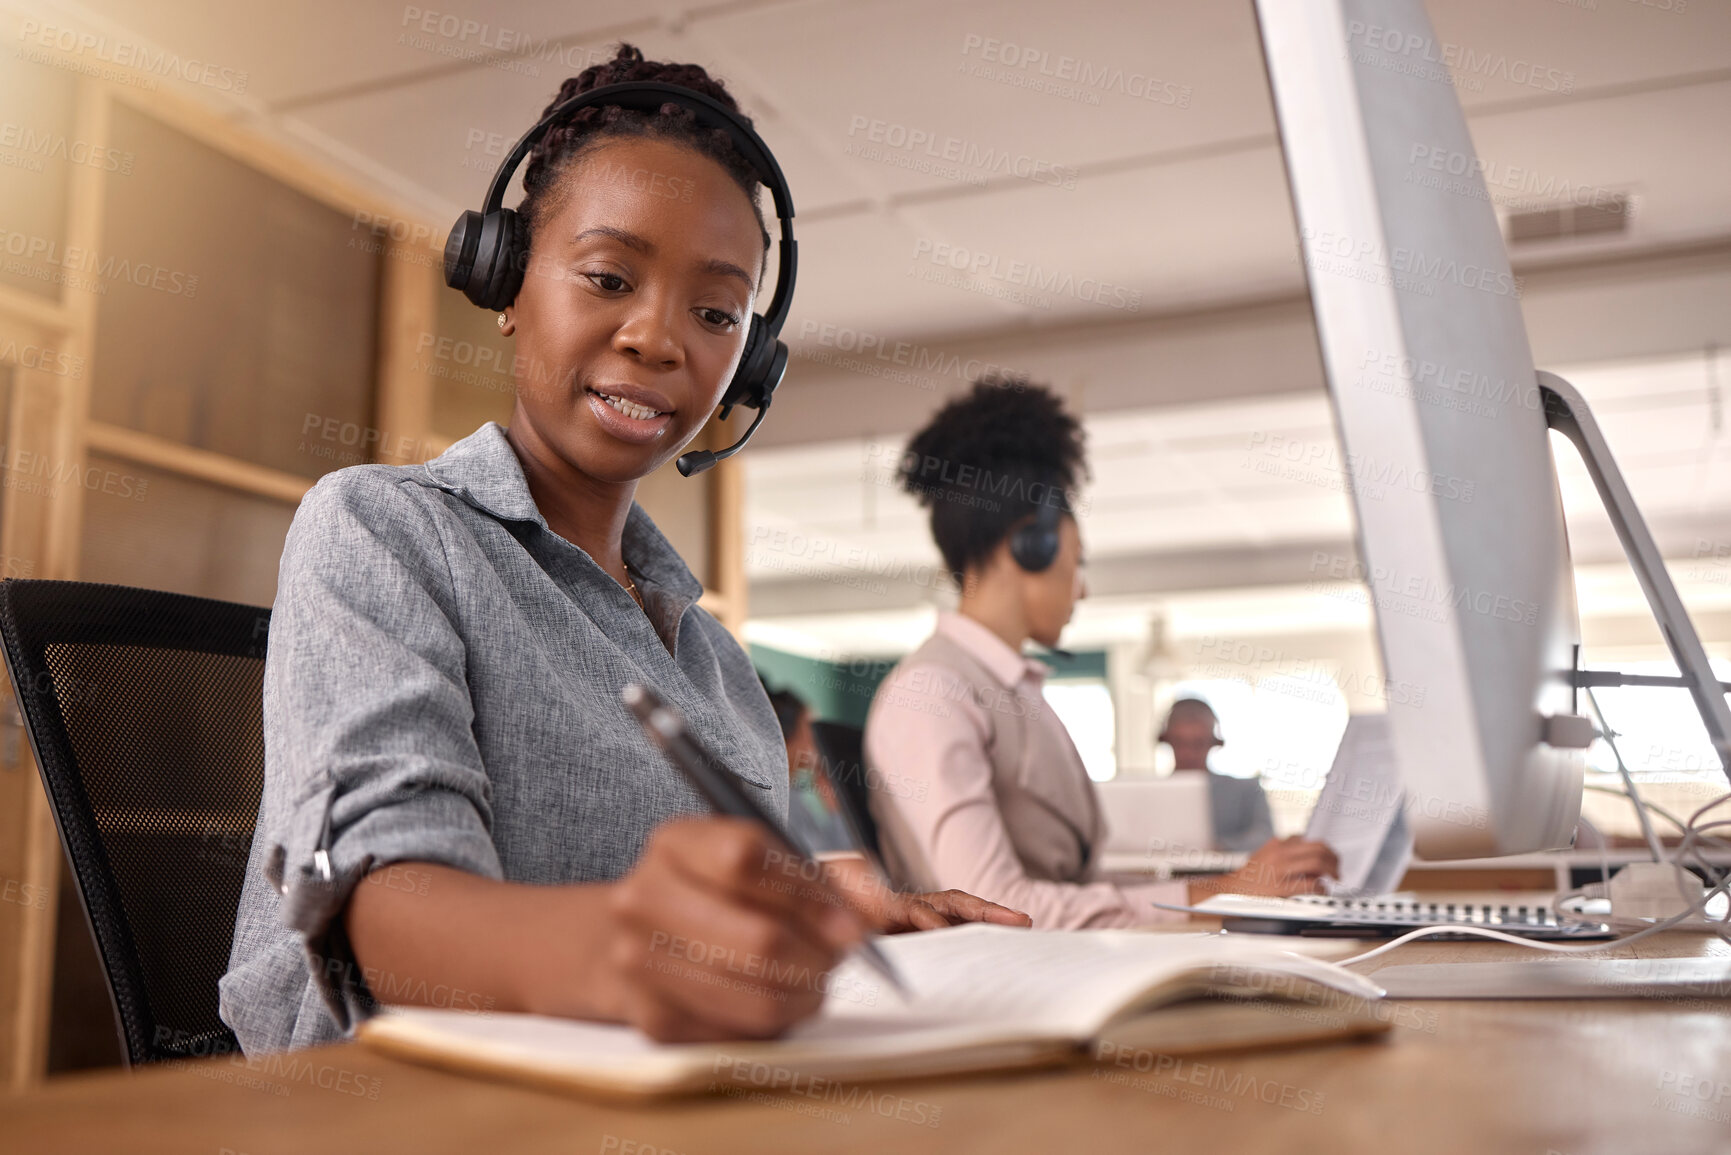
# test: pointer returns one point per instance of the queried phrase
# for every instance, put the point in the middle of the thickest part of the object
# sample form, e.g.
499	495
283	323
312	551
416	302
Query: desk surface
1481	1078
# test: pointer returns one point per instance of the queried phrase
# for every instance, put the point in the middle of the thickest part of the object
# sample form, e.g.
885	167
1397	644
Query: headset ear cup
1034	546
484	262
509	261
1047	550
775	368
746	386
460	246
1031	548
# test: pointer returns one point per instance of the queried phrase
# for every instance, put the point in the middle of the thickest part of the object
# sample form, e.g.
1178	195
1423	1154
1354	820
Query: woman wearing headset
458	811
1004	808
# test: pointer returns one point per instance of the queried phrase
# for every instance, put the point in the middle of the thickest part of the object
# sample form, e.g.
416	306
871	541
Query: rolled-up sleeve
370	754
954	818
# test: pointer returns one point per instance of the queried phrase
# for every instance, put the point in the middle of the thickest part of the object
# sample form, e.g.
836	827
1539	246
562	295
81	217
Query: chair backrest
145	712
842	749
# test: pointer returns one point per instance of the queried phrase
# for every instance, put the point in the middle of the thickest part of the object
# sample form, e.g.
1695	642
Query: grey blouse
442	685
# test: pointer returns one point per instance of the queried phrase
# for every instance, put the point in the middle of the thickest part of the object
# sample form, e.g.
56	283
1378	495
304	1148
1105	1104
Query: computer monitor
1443	434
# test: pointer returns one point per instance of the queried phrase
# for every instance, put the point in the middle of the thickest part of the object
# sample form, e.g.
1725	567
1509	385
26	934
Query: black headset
1034	544
487	252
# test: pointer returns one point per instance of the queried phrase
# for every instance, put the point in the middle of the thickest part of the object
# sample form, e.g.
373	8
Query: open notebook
982	998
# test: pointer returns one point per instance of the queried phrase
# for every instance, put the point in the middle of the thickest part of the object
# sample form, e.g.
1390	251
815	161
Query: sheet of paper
1360	812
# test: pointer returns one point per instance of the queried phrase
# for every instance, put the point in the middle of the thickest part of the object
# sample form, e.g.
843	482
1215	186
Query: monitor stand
1566	411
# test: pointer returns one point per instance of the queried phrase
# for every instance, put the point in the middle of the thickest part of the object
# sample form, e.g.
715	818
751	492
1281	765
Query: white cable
1610	737
1717	844
1692	833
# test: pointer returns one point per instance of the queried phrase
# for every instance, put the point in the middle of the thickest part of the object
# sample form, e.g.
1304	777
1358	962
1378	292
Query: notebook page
983	995
1064	982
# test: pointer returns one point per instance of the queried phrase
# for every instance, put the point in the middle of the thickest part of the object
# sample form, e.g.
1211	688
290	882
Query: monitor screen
1443	434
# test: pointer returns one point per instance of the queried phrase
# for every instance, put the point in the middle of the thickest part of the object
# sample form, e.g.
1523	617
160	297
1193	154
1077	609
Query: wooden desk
1466	1078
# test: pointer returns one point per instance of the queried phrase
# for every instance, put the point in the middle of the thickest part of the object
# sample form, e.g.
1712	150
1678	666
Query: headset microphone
700	459
487	252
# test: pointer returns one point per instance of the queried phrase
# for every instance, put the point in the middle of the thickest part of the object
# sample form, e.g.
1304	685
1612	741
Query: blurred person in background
1006	809
1237	807
813	815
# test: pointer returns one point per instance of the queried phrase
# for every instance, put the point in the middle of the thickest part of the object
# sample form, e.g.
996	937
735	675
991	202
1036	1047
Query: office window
1659	731
1665	747
1284	728
1085	708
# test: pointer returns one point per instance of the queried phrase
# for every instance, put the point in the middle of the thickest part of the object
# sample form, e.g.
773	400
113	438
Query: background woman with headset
1006	809
458	809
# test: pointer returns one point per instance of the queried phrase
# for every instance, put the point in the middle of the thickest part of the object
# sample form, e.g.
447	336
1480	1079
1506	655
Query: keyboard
1322	915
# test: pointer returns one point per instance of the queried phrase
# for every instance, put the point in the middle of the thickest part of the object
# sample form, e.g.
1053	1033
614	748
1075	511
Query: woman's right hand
717	934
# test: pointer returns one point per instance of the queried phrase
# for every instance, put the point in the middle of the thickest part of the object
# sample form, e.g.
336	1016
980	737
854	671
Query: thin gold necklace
631	586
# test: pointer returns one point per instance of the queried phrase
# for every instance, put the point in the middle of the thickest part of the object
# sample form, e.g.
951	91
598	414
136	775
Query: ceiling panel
448	133
955	83
295	52
1128	143
1525	49
1645	143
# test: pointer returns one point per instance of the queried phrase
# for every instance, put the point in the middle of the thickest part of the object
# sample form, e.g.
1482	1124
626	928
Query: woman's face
634	309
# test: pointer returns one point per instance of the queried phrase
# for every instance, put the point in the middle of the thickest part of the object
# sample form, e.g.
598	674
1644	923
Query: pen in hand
667	729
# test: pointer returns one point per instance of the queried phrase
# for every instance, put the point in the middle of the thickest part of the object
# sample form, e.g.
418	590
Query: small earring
501	321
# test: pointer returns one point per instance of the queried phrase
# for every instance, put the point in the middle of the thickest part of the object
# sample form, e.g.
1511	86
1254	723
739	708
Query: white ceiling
1179	204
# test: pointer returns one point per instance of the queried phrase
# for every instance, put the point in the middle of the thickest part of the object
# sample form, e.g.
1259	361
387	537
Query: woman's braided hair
588	128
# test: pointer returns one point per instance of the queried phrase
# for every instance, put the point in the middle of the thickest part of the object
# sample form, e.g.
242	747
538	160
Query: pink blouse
933	771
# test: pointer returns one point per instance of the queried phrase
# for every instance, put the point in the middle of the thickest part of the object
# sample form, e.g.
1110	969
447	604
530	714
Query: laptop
1162	826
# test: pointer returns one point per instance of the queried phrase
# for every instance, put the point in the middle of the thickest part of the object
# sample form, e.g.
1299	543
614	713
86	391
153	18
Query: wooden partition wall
195	325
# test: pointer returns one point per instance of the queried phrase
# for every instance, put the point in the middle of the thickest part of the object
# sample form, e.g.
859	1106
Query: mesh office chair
144	710
842	748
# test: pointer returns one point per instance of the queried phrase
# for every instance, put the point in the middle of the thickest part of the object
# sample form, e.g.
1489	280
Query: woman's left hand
891	912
